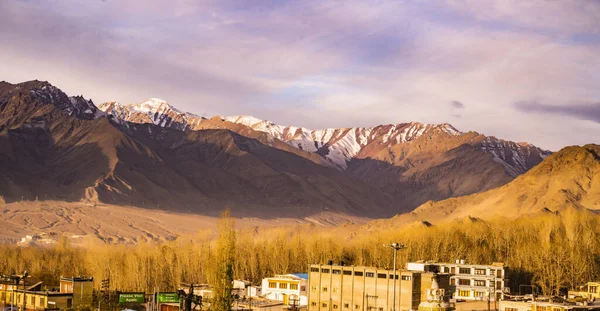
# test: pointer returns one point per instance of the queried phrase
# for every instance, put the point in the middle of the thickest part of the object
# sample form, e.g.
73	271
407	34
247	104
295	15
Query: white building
288	288
254	291
469	281
239	287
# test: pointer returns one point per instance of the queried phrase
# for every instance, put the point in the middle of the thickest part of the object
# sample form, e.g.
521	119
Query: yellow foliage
551	251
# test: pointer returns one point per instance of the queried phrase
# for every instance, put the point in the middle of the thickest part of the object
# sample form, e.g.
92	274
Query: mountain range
152	155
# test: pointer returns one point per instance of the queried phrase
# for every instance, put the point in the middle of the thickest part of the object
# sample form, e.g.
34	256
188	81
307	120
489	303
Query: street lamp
396	247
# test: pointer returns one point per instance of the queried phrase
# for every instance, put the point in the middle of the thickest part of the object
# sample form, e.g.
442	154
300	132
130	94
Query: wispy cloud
321	63
581	111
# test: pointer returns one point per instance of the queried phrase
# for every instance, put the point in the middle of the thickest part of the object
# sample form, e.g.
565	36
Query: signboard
168	298
131	297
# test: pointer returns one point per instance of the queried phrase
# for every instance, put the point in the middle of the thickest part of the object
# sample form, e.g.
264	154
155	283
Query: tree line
554	252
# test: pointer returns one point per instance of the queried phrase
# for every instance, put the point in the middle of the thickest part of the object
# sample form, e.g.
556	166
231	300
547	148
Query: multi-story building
353	288
591	291
74	292
80	287
469	281
289	288
545	304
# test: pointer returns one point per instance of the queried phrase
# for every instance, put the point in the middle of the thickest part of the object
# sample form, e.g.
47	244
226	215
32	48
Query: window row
361	273
467	293
293	286
336	306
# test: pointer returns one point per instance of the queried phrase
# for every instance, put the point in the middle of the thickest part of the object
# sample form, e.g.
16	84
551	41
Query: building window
381	275
593	289
324	270
346	306
335	289
357	307
479	294
272	285
324	305
313	304
314	288
324	289
370	274
380	309
42	302
511	309
480	271
464	293
314	269
294	286
336	271
392	276
464	282
406	278
335	306
479	282
464	271
358	273
283	285
31	300
347	272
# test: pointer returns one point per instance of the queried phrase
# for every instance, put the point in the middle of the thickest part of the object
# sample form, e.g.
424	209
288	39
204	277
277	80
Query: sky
518	70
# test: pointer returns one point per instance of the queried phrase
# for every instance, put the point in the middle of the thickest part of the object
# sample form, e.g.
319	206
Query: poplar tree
225	260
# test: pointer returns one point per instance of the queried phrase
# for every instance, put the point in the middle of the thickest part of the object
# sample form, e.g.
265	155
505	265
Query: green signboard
132	297
168	298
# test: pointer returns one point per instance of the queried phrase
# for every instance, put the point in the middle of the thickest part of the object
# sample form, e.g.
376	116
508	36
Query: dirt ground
87	223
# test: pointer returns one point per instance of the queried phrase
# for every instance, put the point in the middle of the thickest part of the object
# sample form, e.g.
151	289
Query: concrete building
254	291
469	281
240	288
81	289
590	291
74	292
545	304
352	288
288	288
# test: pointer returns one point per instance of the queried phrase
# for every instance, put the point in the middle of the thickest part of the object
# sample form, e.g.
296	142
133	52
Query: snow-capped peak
341	145
153	110
244	120
153	105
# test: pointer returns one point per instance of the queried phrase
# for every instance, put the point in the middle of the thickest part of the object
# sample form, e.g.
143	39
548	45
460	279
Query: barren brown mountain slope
566	180
434	166
409	162
431	167
52	148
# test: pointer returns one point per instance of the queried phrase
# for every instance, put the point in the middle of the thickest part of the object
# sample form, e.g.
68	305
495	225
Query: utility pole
495	291
396	247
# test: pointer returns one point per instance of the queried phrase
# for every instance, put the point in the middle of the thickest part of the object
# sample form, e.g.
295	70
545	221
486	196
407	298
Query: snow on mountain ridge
341	145
153	110
338	146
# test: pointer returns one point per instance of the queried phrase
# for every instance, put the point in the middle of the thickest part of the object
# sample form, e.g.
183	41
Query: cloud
583	111
320	63
456	104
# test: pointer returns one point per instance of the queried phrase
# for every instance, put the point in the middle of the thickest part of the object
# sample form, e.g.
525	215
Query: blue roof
301	275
